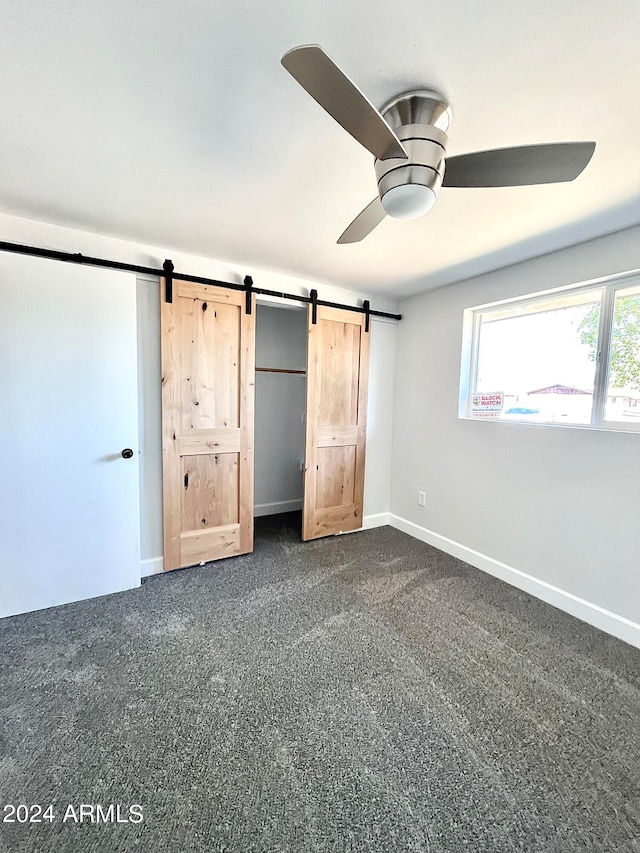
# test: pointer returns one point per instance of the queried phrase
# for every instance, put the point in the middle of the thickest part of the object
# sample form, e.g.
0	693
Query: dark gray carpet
360	693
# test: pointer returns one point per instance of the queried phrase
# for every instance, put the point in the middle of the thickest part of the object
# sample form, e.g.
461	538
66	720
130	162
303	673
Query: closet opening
280	403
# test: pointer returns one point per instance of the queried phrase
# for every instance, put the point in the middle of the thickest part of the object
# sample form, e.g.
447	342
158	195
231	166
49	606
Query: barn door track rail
168	273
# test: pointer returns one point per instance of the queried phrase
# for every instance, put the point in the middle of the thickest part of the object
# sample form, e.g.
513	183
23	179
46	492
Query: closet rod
278	370
78	258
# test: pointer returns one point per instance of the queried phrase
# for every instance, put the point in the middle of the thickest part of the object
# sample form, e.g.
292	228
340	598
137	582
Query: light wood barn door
208	362
337	376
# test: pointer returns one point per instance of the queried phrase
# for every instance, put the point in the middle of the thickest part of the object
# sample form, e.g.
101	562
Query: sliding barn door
337	374
208	344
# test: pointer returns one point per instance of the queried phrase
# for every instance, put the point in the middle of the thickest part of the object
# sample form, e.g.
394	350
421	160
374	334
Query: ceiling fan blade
519	167
332	89
364	223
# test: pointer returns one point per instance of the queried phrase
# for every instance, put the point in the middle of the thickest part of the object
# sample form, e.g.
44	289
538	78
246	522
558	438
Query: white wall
560	505
380	425
150	415
376	502
281	342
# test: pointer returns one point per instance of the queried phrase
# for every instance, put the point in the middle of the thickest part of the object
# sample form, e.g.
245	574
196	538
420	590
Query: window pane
623	388
542	359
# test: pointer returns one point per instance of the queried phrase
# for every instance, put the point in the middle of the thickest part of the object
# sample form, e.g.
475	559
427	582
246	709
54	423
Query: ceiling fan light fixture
408	201
408	138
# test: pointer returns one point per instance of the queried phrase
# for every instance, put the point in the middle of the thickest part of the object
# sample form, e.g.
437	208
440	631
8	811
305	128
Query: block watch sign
487	405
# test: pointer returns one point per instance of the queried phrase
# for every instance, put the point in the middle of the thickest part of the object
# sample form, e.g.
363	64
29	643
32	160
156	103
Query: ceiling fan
408	138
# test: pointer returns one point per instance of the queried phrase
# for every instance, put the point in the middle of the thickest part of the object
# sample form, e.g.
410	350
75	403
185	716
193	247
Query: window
565	357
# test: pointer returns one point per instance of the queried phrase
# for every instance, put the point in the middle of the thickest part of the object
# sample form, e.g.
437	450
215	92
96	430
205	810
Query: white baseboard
155	566
276	507
368	523
618	626
378	520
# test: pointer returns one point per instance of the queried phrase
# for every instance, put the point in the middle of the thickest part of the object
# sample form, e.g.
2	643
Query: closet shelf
279	370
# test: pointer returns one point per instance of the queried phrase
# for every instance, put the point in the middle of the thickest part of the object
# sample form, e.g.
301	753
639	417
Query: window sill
613	426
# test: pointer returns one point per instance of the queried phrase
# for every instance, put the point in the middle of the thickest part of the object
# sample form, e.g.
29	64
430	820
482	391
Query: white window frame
472	320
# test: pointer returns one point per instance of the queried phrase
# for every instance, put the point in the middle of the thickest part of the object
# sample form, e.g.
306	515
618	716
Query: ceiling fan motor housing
408	188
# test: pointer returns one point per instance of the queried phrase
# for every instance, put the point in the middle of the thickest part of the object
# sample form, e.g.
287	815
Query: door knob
127	453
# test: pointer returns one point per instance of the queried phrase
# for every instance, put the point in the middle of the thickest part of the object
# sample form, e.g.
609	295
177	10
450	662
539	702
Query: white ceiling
175	124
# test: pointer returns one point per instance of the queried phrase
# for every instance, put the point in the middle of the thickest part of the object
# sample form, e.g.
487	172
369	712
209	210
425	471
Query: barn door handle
127	453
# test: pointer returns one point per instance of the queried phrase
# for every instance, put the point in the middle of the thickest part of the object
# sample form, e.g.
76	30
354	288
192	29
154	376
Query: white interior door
69	505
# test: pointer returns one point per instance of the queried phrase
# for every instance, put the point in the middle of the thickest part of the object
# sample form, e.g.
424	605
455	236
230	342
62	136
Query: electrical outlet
422	498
